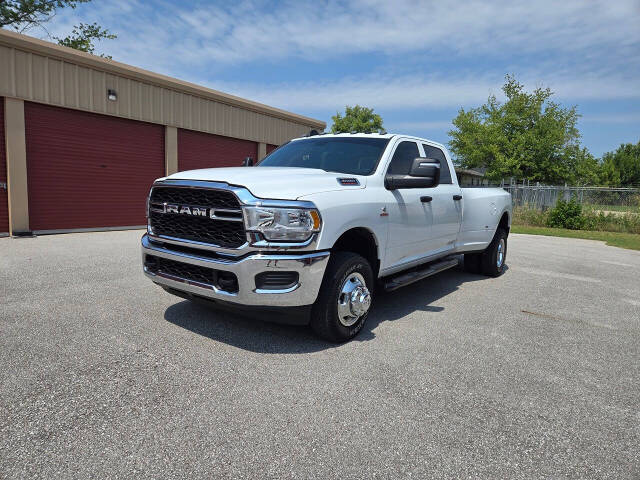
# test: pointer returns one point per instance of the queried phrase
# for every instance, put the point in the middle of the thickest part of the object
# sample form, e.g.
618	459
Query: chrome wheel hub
500	255
354	299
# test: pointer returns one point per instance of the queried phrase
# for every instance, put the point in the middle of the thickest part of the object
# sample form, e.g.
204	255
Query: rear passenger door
446	205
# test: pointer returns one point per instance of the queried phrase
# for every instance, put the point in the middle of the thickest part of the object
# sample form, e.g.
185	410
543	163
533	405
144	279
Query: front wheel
345	298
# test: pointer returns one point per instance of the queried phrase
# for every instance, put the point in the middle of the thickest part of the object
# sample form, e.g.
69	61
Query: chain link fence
605	199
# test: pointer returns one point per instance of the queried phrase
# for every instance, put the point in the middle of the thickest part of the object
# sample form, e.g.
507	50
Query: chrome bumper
309	266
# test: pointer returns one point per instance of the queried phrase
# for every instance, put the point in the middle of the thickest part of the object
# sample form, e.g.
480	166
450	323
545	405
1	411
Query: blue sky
415	63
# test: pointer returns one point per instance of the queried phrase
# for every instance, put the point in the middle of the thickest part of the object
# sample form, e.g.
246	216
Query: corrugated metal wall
40	78
4	201
87	170
203	150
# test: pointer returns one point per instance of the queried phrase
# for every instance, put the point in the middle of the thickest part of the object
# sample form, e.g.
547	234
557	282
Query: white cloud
413	92
246	30
251	30
380	93
582	50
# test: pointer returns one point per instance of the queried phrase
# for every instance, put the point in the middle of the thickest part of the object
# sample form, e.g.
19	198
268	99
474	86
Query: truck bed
480	207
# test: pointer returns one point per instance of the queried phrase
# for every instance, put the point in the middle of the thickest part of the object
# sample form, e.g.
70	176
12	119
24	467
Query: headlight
283	224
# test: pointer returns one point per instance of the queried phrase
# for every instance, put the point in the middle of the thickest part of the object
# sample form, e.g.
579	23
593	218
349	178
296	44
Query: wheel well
362	242
504	222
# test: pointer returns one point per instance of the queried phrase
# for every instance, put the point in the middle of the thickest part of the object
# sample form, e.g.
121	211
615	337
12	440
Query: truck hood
280	183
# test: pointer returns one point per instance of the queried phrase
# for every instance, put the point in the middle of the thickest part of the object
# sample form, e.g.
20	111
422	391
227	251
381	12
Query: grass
613	208
630	241
617	222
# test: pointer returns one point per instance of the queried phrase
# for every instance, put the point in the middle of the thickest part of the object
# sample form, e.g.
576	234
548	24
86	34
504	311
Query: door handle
457	197
426	199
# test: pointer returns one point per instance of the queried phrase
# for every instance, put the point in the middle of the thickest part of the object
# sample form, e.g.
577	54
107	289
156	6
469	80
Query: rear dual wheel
491	261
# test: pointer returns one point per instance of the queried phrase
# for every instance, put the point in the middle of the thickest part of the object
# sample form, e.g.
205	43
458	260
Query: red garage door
203	150
271	148
87	170
4	204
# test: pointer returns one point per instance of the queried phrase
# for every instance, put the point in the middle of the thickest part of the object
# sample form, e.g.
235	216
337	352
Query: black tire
473	262
490	264
325	320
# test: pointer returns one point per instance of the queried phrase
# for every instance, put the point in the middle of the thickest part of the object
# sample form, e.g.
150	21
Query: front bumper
309	266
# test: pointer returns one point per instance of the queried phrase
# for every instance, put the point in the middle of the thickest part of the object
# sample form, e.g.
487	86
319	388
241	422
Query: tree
356	119
622	167
584	167
22	15
83	35
528	136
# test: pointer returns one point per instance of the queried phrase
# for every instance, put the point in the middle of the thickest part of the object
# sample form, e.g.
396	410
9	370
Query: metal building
82	137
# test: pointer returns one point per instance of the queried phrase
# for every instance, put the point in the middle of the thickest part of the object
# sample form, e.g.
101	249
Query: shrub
567	215
530	217
612	221
590	219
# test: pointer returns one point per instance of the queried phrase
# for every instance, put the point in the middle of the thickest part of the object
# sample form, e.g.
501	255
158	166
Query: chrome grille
222	226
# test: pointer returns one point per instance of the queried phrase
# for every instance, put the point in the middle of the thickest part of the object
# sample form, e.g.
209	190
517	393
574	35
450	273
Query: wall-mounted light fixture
112	95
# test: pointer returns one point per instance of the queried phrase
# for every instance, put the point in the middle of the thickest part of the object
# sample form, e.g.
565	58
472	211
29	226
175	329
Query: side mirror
247	162
426	168
424	173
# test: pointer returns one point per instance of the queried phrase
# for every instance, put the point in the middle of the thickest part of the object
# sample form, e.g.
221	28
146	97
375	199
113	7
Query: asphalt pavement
535	374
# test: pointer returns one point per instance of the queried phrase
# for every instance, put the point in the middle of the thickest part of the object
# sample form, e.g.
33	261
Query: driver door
410	219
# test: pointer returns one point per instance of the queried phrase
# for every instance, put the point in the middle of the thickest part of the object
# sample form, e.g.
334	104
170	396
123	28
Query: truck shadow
254	334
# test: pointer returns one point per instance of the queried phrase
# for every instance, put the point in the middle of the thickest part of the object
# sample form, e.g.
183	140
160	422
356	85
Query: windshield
356	156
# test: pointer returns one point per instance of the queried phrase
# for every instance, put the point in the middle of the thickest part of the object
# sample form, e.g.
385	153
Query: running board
406	278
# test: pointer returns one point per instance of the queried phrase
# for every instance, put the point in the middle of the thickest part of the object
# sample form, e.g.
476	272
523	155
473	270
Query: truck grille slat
226	233
195	196
222	280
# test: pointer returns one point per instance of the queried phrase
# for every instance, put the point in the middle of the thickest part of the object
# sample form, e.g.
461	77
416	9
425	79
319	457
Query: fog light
227	282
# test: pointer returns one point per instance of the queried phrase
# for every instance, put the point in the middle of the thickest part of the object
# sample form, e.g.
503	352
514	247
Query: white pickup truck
319	225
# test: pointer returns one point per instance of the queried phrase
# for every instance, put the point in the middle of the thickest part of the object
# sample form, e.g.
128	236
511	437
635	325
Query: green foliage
622	167
529	216
588	220
566	215
583	167
21	15
83	35
527	136
611	221
356	119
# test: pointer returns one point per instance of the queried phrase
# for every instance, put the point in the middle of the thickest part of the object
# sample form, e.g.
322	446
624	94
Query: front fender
348	210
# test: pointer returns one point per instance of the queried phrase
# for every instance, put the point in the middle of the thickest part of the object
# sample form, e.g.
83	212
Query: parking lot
533	374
